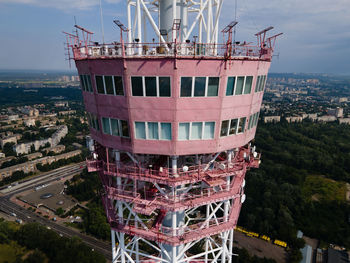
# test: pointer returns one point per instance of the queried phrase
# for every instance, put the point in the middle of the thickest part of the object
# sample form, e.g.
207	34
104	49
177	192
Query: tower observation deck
172	113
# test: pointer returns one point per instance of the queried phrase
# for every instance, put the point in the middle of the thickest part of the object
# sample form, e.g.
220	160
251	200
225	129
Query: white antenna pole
102	27
234	30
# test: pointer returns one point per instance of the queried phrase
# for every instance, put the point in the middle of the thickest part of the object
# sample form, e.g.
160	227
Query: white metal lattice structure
197	18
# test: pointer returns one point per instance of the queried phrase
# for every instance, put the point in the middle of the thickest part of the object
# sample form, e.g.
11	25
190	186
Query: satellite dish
243	184
185	168
243	197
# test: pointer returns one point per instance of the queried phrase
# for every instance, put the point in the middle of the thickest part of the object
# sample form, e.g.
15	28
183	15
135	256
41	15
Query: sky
316	35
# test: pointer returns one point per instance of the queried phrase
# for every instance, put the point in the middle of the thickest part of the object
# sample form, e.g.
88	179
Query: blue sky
316	32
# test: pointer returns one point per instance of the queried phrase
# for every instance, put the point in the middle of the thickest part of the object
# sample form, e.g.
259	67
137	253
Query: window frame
159	124
85	82
237	127
235	85
113	85
205	88
157	86
120	130
93	121
260	83
202	137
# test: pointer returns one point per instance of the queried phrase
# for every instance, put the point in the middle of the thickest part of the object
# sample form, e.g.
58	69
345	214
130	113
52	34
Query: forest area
301	183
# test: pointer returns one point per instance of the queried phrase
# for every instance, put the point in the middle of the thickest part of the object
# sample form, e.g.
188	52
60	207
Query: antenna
262	35
122	29
228	29
102	27
234	33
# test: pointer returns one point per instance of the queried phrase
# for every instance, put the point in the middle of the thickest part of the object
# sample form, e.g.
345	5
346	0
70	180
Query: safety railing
244	159
181	231
169	49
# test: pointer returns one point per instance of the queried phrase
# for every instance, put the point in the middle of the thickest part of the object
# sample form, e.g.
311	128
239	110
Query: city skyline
314	41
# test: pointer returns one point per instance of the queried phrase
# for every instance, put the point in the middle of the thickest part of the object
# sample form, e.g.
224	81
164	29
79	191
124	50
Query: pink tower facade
171	125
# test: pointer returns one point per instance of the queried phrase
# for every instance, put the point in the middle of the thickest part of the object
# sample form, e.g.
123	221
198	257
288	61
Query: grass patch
318	188
9	252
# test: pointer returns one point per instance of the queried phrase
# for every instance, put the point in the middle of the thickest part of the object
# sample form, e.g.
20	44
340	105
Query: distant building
13	117
344	120
61	104
344	99
310	116
2	155
29	111
338	112
327	118
25	148
29	122
272	119
294	119
66	112
33	156
56	149
31	165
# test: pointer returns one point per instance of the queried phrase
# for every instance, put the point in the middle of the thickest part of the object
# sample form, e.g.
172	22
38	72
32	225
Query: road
28	216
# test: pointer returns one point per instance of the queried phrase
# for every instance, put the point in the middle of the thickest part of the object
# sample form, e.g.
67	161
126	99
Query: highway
28	216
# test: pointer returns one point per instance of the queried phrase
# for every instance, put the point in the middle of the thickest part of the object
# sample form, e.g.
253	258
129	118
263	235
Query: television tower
172	113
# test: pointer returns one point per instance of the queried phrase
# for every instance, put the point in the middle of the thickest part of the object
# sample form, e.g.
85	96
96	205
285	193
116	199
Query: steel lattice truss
182	221
204	24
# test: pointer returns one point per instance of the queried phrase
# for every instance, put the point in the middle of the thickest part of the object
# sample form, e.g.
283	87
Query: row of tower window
237	126
143	86
163	130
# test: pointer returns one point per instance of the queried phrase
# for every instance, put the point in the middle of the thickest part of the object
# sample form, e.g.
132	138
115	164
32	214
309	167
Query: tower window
196	130
93	121
239	85
85	82
260	83
248	84
232	127
209	130
137	86
213	87
186	87
230	86
199	86
184	131
115	127
151	86
153	130
140	130
100	85
109	85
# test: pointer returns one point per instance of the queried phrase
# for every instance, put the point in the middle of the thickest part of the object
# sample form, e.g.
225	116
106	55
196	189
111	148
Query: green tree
8	150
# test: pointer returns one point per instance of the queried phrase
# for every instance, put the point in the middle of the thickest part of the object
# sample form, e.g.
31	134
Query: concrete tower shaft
167	15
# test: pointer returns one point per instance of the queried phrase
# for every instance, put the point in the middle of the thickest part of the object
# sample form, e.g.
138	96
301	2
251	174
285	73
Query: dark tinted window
136	83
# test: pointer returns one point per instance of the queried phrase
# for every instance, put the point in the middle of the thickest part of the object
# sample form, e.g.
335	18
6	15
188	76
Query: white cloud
64	5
